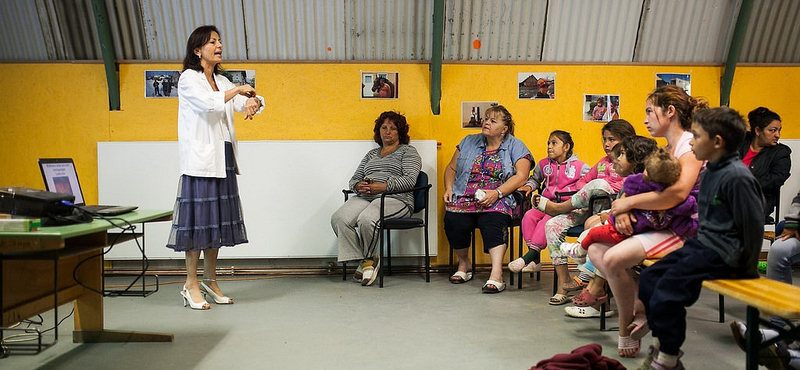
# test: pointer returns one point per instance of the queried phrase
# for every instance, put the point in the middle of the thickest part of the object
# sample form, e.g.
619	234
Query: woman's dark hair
620	128
399	121
504	115
637	149
565	138
684	104
197	39
761	117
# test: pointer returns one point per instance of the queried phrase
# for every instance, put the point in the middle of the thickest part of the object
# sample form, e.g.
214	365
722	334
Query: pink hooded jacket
558	177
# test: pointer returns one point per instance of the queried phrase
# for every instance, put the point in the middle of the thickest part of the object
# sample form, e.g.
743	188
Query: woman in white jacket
208	213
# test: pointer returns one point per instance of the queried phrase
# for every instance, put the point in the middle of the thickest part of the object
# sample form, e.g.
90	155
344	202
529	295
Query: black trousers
670	285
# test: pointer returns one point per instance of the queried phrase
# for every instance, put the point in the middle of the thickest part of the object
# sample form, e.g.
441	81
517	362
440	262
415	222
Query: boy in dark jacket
730	206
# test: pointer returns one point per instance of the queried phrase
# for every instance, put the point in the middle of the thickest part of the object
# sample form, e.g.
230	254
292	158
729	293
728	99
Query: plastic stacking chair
421	192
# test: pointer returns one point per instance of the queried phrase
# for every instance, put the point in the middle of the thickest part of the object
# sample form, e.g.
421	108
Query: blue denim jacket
511	150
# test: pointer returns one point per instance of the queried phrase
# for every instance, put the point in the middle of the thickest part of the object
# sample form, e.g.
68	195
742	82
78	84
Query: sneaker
574	251
584	312
370	271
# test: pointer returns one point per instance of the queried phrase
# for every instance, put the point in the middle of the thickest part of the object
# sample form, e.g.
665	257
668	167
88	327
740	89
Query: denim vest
511	150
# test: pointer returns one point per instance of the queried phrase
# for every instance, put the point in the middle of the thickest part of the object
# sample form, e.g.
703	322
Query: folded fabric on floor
588	357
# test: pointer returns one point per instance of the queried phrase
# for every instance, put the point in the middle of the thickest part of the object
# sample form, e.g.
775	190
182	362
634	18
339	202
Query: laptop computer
60	176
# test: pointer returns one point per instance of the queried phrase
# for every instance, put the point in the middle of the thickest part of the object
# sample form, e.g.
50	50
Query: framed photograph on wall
537	85
683	80
600	107
379	85
161	84
472	112
241	76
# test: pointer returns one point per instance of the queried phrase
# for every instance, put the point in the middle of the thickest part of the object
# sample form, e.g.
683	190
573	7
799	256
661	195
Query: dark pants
670	285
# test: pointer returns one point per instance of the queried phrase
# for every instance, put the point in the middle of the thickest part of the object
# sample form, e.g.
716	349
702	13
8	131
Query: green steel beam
734	51
436	57
107	48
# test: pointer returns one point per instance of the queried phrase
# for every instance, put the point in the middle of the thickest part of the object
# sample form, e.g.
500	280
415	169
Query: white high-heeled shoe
216	298
187	301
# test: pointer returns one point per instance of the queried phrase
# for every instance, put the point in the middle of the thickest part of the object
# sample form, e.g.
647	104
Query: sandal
586	299
461	277
639	328
574	285
559	299
629	347
493	286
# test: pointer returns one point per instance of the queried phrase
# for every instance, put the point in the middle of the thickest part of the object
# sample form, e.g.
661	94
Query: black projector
22	201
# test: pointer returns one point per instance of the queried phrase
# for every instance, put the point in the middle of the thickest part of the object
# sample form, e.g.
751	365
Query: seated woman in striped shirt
393	166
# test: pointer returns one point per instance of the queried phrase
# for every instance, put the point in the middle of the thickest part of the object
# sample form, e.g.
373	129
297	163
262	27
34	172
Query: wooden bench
762	296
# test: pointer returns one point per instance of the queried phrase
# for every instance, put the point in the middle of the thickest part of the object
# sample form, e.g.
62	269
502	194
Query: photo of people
600	108
684	80
161	84
164	84
472	112
241	77
537	85
379	85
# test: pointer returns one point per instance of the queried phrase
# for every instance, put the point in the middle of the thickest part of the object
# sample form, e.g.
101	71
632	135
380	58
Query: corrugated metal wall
774	33
686	31
20	25
592	30
679	31
494	30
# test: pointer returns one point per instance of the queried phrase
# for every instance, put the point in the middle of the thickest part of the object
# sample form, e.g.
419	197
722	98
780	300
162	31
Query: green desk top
7	238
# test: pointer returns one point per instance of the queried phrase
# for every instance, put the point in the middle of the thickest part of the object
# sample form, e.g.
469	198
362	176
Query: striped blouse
399	170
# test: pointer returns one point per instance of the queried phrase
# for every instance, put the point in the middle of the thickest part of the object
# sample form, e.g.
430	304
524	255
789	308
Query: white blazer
203	114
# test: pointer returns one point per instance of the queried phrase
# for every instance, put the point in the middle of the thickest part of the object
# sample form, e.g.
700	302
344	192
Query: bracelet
499	193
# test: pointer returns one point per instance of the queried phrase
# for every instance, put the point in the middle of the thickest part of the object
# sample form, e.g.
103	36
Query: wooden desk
40	270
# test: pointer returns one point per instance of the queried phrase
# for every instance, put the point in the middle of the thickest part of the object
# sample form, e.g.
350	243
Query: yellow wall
61	109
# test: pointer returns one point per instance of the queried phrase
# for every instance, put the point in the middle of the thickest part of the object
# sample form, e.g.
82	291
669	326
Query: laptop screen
59	176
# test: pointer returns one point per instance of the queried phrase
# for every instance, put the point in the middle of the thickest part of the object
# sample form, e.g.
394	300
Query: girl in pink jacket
560	172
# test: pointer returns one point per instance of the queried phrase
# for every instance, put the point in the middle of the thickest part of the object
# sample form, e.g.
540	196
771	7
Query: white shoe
574	251
532	267
518	265
584	312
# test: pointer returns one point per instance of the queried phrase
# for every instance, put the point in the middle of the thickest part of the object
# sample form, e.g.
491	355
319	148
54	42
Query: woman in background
208	212
768	160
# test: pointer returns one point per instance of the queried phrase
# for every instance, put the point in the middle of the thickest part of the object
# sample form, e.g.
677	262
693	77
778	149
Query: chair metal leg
520	245
721	308
603	316
555	281
389	251
427	258
510	253
344	271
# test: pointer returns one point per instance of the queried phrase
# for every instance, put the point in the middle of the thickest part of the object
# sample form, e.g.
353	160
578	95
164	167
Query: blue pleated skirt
208	212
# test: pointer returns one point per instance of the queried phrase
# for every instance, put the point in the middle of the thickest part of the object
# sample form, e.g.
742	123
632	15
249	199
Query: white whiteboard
792	185
289	190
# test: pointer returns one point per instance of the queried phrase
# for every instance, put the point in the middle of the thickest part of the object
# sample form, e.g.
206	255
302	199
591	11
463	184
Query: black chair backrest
419	195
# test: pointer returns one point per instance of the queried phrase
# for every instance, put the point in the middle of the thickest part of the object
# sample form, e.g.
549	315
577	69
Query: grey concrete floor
324	322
